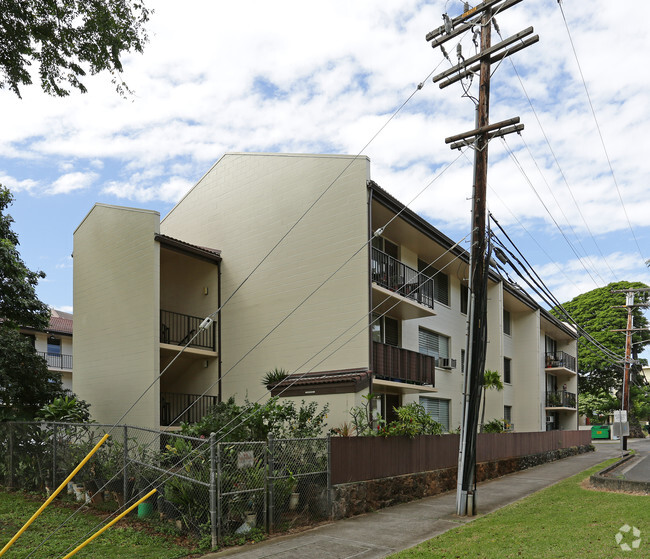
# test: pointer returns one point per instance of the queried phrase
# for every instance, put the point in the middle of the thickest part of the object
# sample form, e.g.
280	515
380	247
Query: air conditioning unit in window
446	363
549	419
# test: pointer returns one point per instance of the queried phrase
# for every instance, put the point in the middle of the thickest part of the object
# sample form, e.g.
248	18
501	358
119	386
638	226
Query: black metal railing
57	360
390	273
189	408
396	363
560	359
178	329
560	399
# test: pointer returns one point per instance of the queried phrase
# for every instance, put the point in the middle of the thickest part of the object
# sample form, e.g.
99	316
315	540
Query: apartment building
316	270
54	344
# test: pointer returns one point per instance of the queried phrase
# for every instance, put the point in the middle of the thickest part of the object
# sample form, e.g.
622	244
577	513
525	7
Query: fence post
219	496
270	482
54	433
125	459
213	492
266	489
329	476
11	456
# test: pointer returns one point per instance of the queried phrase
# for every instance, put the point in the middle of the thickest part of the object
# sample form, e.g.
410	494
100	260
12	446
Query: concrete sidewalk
392	529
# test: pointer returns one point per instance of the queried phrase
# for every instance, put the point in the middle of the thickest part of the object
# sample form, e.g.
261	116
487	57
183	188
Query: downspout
219	394
370	233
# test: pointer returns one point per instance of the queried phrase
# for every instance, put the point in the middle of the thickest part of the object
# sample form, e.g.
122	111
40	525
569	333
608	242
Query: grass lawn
122	540
563	521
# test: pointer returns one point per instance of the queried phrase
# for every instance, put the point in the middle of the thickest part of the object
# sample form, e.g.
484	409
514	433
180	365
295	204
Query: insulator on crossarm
447	21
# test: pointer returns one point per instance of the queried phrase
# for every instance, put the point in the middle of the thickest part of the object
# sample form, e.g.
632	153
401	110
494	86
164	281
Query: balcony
178	329
560	399
174	407
560	360
399	289
403	365
57	360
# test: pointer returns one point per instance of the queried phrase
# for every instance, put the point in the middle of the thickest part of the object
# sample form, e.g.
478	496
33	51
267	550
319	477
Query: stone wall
350	499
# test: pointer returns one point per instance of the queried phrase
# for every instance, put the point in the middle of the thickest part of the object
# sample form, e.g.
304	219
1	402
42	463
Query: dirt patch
587	485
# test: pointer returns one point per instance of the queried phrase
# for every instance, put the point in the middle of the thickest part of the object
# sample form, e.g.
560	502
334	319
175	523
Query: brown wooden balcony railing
396	363
560	359
57	360
178	329
560	399
189	408
392	274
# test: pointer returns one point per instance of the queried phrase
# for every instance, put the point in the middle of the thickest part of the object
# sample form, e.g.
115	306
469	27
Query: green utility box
600	432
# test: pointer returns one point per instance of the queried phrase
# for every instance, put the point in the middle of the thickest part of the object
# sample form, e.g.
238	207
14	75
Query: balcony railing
178	329
57	360
189	408
392	274
560	399
560	359
396	363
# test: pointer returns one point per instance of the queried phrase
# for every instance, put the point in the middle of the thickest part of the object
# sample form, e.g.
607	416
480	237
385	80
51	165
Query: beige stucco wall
243	206
116	298
525	395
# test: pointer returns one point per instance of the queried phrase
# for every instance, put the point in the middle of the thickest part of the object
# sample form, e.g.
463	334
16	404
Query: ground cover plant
127	539
565	520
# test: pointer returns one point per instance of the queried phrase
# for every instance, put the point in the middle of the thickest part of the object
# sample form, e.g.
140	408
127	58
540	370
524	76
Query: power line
557	163
600	135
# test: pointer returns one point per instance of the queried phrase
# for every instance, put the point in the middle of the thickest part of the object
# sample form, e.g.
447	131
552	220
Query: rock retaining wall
350	499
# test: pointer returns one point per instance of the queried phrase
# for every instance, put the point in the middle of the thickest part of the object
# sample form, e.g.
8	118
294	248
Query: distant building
346	315
55	344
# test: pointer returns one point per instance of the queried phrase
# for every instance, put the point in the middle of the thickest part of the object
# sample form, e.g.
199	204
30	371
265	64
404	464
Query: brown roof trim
325	382
413	219
209	254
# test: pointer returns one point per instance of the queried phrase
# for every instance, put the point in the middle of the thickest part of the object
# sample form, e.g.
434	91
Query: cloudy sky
296	76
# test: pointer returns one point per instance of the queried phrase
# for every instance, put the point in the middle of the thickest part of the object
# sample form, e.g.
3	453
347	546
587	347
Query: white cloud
70	182
17	185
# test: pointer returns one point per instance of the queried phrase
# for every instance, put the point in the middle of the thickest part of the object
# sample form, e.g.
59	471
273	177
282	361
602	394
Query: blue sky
296	77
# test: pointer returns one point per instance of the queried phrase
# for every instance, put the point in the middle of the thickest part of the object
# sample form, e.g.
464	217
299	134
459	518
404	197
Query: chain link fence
205	488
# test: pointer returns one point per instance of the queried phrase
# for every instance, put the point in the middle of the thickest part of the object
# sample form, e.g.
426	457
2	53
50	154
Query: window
386	246
551	345
53	345
385	330
433	344
507	414
464	298
462	361
440	281
506	370
506	322
438	409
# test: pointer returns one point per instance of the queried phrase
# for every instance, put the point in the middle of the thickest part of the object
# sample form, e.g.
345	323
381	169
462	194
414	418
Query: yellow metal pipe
96	534
51	497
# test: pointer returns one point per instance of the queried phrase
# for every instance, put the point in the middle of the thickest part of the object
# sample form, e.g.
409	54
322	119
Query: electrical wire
438	176
275	246
548	211
557	163
600	135
197	452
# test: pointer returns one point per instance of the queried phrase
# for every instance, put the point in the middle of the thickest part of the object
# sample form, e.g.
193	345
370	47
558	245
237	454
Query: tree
25	382
596	314
66	39
491	379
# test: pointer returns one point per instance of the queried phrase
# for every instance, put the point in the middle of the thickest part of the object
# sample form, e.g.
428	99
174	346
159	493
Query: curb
601	480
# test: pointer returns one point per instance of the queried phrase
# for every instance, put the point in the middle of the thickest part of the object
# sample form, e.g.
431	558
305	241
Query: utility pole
478	138
625	391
